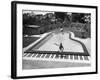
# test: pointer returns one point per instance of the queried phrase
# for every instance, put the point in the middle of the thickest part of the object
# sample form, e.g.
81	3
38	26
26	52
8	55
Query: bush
81	30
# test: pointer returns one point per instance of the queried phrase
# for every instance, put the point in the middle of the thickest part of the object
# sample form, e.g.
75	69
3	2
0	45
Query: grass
28	40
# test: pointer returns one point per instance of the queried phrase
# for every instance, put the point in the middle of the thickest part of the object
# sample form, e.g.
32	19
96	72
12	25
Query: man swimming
61	47
61	29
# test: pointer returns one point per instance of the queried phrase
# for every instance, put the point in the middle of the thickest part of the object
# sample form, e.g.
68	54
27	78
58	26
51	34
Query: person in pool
61	47
61	29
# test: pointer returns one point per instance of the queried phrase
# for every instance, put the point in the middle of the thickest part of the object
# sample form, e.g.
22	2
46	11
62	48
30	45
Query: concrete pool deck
37	64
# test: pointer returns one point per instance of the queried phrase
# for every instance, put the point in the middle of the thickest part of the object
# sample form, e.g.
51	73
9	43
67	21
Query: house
32	30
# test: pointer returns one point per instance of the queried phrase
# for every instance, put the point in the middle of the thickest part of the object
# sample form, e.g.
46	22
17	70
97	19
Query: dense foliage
78	22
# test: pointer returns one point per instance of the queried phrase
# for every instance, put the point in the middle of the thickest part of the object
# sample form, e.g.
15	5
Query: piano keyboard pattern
56	57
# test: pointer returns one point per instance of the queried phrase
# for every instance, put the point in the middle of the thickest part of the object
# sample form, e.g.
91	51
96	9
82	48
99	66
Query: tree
78	17
60	16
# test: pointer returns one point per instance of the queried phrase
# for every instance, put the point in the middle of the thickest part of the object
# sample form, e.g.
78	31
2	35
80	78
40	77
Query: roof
33	26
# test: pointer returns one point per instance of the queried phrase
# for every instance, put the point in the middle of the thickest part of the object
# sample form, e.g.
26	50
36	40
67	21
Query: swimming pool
52	44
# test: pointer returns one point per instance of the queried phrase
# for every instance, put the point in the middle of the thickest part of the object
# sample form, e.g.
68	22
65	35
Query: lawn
28	40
